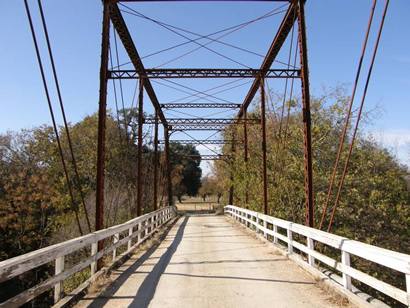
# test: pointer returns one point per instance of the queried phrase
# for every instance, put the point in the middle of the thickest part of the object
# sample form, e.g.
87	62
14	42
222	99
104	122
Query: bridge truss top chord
200	105
205	121
204	141
204	73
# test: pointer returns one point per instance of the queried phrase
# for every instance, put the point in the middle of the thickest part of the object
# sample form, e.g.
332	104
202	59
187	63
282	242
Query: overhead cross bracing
204	73
201	121
200	105
204	141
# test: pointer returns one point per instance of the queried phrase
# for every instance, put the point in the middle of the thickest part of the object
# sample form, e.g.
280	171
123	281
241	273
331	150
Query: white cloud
395	140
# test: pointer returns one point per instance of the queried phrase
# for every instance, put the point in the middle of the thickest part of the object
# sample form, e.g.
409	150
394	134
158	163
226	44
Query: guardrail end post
93	266
58	287
311	246
347	280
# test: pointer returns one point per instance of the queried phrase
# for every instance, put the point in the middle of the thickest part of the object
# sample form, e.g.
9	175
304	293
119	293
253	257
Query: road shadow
148	287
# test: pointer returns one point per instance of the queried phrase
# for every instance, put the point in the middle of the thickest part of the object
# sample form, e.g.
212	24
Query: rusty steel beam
126	39
307	136
184	127
200	105
233	150
203	0
209	157
168	73
198	142
203	121
156	161
264	173
245	149
168	167
139	151
284	29
102	115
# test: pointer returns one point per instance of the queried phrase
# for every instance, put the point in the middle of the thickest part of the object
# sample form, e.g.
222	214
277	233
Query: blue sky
335	32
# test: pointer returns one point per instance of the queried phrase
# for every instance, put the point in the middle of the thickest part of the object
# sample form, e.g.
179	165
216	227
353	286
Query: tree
186	158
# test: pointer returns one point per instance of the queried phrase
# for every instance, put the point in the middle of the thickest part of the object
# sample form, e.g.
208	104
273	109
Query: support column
168	167
307	137
102	114
233	150
156	161
245	137
263	123
139	162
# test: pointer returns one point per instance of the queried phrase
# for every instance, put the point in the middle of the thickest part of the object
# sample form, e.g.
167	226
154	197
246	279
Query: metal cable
358	116
115	98
206	91
121	90
286	81
187	38
269	14
50	107
349	112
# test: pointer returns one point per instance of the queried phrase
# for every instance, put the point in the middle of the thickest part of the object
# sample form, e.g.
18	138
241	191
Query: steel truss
294	13
210	157
204	73
201	121
199	142
200	105
184	127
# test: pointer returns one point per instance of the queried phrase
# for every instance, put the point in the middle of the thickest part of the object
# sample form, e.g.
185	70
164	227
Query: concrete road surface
207	261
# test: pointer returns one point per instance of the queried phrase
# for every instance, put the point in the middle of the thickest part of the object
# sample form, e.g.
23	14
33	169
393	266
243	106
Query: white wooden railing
391	259
120	235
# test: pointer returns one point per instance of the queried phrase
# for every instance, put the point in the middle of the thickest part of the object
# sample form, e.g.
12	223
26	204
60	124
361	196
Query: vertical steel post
168	167
156	161
245	137
140	126
102	113
263	123
233	150
307	137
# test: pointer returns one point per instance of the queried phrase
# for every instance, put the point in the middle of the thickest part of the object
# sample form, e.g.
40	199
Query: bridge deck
206	261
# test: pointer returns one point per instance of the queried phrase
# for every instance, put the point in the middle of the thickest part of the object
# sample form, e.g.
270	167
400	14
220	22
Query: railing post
58	287
265	226
115	239
139	232
130	230
347	280
290	238
93	266
311	246
275	230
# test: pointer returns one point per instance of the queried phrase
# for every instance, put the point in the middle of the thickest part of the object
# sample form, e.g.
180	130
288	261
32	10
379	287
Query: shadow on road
147	289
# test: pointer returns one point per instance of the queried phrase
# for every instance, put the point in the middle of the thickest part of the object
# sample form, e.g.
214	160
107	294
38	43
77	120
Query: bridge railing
131	233
268	225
